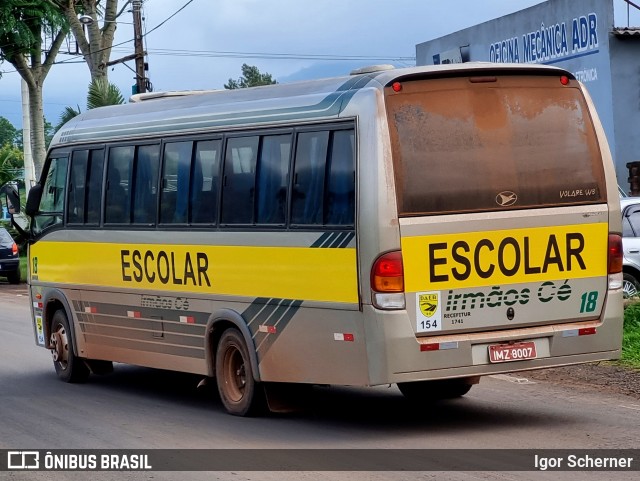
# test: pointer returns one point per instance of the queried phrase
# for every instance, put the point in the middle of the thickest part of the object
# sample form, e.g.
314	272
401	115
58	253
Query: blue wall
573	35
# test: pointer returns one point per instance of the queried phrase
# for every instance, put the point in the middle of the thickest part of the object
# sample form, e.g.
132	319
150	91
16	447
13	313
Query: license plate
512	352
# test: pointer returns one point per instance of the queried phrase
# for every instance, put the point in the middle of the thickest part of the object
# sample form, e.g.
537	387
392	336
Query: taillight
387	274
387	281
615	253
14	249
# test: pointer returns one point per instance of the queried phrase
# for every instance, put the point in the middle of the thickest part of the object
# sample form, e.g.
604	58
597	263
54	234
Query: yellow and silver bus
423	226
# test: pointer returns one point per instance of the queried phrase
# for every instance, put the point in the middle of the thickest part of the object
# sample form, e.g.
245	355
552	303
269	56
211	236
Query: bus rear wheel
435	390
239	392
69	367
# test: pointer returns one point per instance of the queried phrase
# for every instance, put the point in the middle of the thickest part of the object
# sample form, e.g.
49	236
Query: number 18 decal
589	301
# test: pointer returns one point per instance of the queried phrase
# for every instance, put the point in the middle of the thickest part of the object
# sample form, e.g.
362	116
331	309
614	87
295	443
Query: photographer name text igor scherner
581	462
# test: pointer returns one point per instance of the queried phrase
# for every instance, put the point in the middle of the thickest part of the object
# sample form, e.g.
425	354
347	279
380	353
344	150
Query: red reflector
587	331
564	80
397	86
429	347
615	253
348	337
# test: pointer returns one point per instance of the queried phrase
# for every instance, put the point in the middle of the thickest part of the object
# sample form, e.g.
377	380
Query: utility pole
29	169
141	81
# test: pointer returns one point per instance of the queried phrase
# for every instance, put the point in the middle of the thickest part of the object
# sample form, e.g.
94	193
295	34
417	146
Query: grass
24	264
631	333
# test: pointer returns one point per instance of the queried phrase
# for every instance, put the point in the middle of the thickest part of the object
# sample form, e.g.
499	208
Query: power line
273	55
118	44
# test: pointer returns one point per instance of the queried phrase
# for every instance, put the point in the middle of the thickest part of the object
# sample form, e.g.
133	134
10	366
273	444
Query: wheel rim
629	289
235	376
60	346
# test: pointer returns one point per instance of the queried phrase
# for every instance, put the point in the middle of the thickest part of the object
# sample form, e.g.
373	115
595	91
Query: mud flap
287	398
99	367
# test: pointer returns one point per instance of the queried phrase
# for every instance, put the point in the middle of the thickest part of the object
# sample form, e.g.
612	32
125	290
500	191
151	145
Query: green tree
251	77
94	41
11	163
101	94
49	132
7	132
23	25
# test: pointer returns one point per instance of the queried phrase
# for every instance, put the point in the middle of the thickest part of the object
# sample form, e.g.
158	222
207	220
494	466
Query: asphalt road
138	408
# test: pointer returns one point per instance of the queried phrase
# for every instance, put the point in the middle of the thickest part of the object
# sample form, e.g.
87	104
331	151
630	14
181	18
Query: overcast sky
333	28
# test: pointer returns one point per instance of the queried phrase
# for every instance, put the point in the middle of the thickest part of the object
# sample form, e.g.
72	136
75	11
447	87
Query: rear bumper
9	265
464	355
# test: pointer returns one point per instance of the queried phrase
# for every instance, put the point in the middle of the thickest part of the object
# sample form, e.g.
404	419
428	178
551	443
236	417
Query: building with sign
578	36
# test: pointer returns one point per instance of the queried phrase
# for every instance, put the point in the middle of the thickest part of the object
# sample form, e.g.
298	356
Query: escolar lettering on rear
510	257
471	259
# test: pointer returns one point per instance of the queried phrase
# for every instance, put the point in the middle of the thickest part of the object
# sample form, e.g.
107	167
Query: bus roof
165	113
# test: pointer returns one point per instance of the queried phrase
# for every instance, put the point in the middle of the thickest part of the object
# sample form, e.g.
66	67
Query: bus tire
422	391
14	277
69	367
239	392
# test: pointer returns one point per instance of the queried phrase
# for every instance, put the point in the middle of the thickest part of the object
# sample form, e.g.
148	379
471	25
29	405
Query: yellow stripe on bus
513	256
316	274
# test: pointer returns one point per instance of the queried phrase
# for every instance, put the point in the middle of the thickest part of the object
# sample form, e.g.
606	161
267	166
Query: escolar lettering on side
138	266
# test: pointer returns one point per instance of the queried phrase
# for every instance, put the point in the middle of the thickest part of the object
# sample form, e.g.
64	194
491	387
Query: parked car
9	259
631	244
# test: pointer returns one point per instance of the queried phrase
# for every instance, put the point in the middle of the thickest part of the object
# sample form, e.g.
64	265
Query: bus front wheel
69	367
240	394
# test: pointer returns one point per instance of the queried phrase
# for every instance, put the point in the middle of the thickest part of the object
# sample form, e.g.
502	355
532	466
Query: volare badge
428	311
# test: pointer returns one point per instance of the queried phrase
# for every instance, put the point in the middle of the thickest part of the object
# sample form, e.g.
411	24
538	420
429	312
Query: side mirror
33	200
11	194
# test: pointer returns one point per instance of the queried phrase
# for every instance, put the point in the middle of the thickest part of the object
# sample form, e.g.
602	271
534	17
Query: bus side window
309	177
273	175
239	180
51	208
94	186
118	202
206	175
77	183
340	191
175	183
145	186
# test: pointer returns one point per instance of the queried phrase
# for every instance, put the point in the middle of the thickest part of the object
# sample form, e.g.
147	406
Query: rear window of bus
492	143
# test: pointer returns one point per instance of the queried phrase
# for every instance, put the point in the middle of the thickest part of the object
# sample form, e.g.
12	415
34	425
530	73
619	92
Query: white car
631	244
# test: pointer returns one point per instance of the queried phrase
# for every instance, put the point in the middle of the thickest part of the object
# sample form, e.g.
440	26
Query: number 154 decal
428	311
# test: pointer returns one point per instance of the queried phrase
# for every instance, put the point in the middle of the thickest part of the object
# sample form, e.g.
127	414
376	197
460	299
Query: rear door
502	202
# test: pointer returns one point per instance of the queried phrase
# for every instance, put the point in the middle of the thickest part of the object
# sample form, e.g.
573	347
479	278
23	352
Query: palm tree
67	114
101	94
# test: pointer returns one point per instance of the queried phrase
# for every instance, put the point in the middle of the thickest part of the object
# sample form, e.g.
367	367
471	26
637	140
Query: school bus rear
509	254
